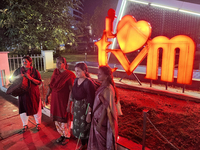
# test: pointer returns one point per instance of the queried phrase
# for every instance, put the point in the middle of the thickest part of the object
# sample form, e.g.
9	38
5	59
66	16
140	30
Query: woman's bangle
90	113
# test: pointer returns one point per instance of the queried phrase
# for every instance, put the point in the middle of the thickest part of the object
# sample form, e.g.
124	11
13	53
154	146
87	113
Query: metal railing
145	118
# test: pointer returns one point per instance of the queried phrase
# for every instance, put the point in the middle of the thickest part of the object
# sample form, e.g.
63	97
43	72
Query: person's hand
46	100
101	97
28	76
68	109
88	117
72	109
98	127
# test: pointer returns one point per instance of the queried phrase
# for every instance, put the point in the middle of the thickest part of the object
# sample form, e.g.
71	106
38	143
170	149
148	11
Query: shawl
109	99
29	71
29	102
59	79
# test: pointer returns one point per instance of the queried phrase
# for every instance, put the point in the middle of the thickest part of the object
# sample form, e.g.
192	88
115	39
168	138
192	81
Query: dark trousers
84	141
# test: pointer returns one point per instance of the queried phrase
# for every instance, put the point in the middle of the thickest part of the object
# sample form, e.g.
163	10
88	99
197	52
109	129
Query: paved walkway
11	125
12	139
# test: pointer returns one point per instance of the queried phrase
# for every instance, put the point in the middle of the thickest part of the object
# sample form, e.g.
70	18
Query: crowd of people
91	105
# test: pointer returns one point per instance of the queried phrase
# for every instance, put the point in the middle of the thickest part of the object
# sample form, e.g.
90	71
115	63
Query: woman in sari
104	126
83	93
60	87
29	102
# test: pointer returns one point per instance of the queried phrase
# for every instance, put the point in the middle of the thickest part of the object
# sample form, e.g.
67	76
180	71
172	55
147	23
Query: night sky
90	5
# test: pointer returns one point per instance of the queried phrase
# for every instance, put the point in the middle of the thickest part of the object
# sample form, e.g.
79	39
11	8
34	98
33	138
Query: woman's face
59	64
26	63
79	72
101	75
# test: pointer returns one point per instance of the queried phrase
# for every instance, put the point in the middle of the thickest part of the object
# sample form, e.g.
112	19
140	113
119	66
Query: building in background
167	18
83	40
77	13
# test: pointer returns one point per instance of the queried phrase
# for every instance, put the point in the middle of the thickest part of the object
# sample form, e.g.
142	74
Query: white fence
16	62
8	65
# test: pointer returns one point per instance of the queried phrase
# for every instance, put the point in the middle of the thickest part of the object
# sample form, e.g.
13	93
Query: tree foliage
32	22
83	26
97	21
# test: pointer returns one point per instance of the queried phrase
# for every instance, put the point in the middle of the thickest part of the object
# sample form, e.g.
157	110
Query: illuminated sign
133	35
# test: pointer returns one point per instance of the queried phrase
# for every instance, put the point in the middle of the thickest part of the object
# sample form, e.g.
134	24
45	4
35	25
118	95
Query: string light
189	12
161	6
146	3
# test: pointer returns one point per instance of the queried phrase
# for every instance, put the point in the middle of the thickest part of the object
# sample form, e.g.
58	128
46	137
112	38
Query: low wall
122	74
141	76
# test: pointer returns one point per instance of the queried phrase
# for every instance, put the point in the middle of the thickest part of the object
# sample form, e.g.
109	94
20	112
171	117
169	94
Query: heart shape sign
132	35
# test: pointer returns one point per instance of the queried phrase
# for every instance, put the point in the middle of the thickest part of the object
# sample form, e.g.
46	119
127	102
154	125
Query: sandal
65	141
24	128
60	139
38	127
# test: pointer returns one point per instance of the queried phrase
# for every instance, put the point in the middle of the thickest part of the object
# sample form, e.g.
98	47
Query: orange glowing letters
186	58
133	35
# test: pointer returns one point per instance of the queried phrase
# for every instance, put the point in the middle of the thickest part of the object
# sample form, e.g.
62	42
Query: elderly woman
104	126
29	102
60	87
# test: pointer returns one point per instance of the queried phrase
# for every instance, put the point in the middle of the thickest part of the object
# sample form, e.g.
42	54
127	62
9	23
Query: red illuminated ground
177	120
